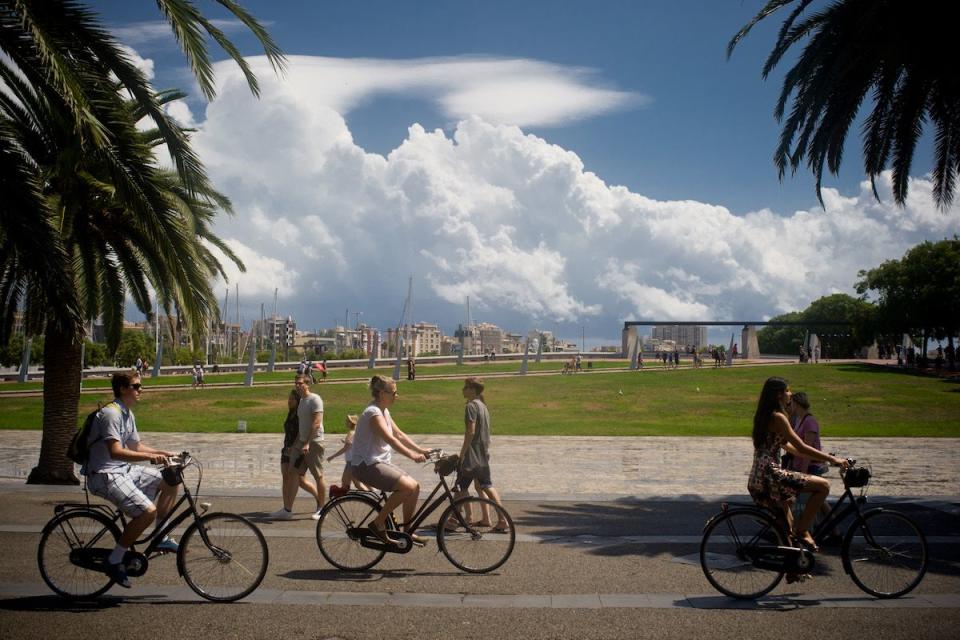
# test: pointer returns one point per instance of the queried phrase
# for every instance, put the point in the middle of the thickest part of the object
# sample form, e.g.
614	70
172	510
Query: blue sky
637	95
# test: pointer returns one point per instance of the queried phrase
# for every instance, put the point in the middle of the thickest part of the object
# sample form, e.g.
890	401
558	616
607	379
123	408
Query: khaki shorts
380	475
312	461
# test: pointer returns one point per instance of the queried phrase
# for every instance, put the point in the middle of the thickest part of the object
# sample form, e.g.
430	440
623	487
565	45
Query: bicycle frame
846	505
426	507
837	515
172	520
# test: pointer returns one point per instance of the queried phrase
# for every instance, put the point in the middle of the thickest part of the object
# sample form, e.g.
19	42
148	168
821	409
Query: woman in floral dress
771	485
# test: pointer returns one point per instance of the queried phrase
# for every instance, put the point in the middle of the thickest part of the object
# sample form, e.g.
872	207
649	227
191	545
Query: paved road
608	533
621	568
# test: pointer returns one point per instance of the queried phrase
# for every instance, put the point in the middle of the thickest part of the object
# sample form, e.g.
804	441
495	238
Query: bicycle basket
446	465
172	475
856	477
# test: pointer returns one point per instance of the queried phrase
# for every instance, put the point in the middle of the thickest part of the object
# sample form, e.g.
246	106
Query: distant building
491	337
276	329
418	339
512	343
550	342
681	335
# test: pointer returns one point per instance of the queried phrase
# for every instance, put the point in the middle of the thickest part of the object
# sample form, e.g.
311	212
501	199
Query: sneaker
168	545
317	514
281	514
118	573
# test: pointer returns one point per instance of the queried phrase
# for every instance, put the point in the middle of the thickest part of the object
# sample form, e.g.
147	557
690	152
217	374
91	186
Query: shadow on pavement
336	575
590	523
54	603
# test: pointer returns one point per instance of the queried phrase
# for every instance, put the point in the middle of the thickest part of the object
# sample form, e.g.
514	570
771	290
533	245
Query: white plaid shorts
132	489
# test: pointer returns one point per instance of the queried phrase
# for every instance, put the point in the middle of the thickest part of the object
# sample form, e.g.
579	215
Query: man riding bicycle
114	445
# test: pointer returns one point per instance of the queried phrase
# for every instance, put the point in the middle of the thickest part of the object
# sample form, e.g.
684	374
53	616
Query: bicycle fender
735	510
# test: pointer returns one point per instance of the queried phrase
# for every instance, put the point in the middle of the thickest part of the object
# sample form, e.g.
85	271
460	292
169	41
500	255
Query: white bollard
241	426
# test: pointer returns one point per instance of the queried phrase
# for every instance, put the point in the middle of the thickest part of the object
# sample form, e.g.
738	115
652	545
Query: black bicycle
346	542
746	550
222	556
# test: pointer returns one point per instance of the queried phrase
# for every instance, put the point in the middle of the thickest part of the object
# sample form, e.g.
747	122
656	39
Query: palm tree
114	248
900	52
91	217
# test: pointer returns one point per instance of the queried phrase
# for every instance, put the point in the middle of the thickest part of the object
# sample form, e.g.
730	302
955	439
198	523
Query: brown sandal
806	541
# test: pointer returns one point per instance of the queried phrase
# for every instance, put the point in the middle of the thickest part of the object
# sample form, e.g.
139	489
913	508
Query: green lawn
849	400
472	368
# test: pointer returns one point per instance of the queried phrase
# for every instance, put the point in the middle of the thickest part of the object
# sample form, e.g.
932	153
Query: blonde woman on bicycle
376	436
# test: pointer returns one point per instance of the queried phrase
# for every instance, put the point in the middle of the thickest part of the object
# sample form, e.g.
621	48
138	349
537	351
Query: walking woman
292	477
376	436
772	486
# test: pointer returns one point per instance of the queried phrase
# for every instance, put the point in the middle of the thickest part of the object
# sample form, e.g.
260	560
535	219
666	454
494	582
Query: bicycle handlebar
181	460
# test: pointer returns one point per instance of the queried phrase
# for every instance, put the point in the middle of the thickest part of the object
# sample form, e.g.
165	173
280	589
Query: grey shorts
312	461
380	475
132	489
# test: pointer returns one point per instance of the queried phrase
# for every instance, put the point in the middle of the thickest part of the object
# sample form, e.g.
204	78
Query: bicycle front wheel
886	554
725	553
472	547
337	532
223	557
73	553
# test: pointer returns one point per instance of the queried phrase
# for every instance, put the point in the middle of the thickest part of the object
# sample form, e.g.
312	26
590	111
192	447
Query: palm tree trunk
61	393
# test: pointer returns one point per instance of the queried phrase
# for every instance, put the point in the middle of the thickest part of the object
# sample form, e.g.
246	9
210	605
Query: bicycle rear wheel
473	548
886	554
223	557
725	558
73	548
336	534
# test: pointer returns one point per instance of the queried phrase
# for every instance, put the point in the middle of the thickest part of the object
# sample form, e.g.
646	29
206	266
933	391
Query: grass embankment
849	401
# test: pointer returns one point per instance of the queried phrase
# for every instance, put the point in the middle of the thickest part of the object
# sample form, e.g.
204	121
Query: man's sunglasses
137	386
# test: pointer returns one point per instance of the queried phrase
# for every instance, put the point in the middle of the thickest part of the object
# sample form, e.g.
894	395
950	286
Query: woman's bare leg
819	489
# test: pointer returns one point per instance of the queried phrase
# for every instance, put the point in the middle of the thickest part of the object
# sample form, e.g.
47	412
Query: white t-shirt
368	447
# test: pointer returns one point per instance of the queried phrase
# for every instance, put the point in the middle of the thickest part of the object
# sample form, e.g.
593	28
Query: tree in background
841	340
134	344
781	340
920	293
12	353
900	53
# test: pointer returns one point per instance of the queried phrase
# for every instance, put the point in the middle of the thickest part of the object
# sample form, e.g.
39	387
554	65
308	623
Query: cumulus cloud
145	65
263	273
514	222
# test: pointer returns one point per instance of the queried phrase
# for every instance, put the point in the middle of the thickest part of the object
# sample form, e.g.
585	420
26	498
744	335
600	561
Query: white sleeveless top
368	447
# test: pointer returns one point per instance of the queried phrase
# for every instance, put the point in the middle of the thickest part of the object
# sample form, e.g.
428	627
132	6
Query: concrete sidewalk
557	468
